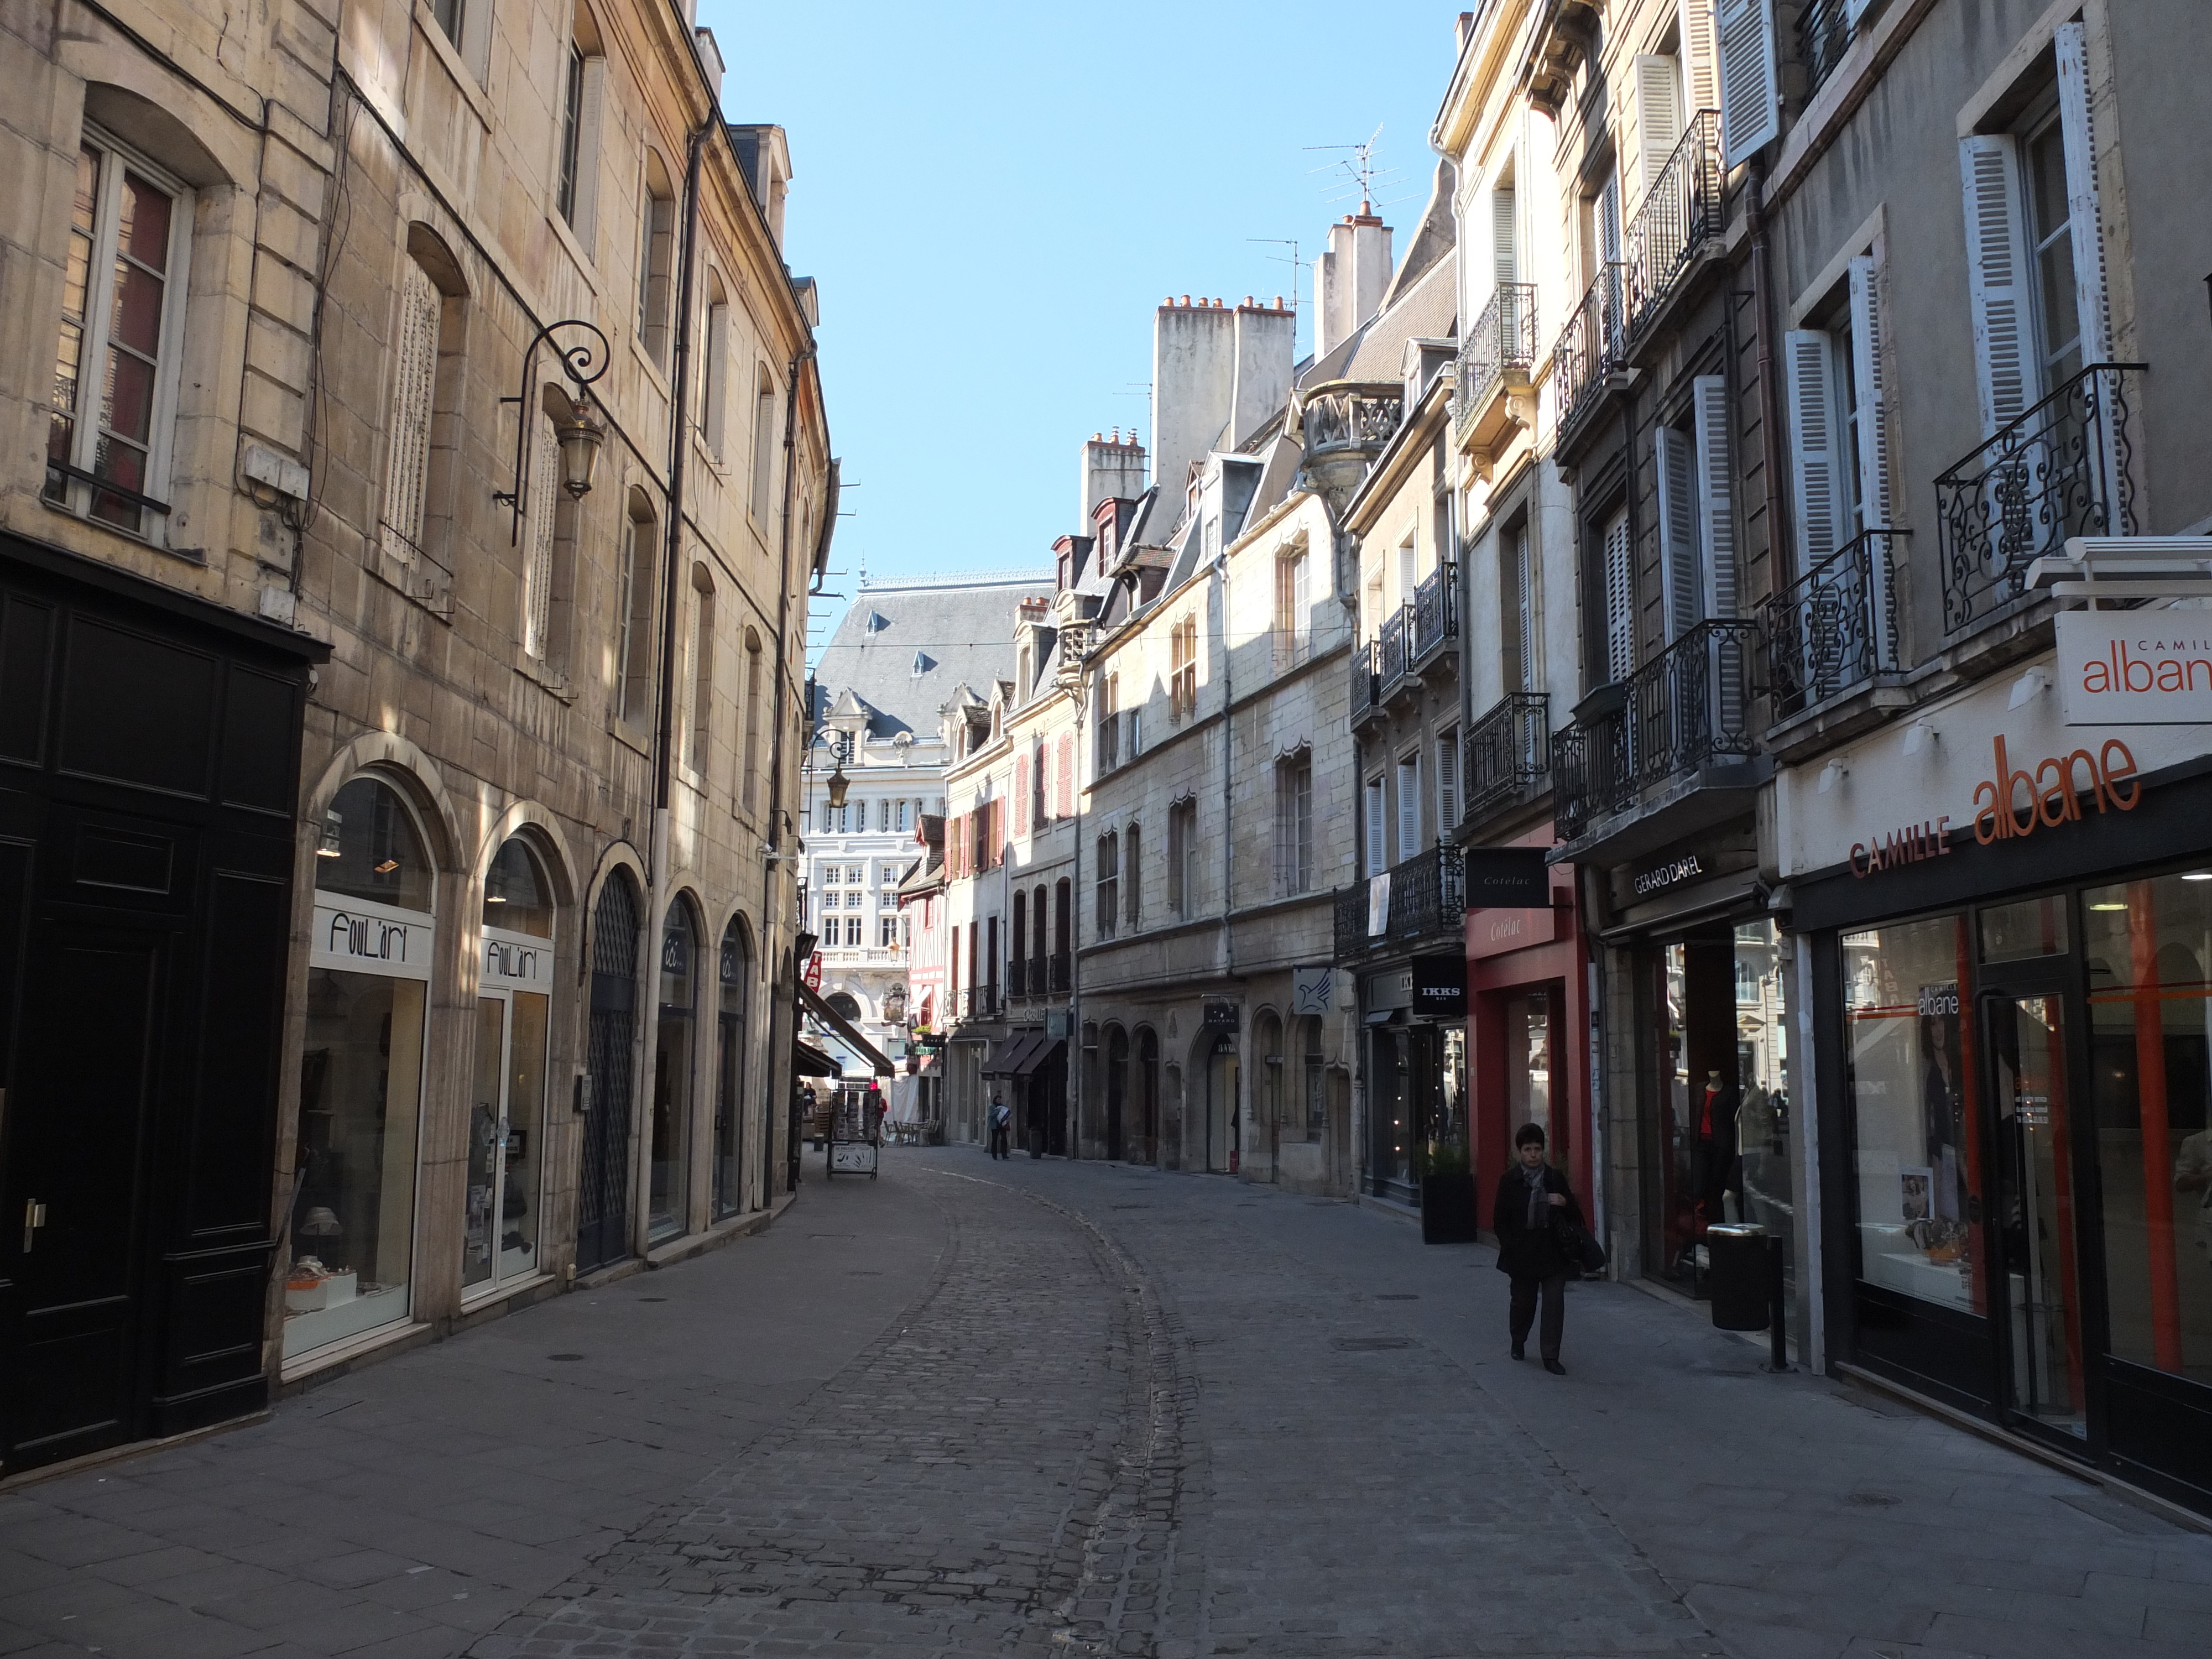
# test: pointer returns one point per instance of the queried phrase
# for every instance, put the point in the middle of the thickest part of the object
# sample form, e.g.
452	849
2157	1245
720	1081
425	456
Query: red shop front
1528	1028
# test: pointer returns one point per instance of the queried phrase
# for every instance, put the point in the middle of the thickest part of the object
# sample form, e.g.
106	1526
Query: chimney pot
1248	298
1186	299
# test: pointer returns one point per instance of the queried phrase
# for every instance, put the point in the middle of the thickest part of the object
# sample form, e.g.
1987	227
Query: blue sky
994	198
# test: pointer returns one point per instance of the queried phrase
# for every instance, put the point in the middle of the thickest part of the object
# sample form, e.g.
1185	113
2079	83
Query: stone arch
542	829
414	773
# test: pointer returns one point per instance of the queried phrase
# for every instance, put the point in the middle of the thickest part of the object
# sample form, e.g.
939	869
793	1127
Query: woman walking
1531	1197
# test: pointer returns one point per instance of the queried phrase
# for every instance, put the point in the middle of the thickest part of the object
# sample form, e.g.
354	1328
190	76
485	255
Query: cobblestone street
1002	1409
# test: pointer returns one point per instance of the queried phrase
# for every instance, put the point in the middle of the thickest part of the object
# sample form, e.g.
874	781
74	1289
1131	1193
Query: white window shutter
1715	493
1868	373
1504	244
1378	852
1620	600
1608	218
2085	217
1815	452
414	376
1996	277
1658	114
1694	22
1750	110
1679	561
1448	781
1409	809
545	503
1524	586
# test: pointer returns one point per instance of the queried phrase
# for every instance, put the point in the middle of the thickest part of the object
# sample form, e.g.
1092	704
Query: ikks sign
364	937
2135	667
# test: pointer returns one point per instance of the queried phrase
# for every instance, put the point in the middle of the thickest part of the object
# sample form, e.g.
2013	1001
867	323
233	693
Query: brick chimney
1111	469
1193	384
1351	278
1267	348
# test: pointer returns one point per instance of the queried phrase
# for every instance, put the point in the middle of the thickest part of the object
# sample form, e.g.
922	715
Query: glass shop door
506	1122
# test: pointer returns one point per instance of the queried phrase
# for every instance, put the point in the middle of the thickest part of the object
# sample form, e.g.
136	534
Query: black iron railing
1018	980
1435	609
1824	32
1836	626
1591	346
1396	641
1508	753
980	1001
1062	965
1680	217
2063	469
1366	664
1503	338
1426	896
1689	706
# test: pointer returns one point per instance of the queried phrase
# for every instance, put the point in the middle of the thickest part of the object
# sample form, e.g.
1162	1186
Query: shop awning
809	1061
1004	1059
810	1003
1041	1050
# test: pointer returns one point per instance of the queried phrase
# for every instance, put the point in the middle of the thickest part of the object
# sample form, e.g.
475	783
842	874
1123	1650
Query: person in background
1001	1123
1531	1196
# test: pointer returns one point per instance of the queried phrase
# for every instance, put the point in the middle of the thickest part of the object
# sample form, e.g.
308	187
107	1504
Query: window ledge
655	376
554	681
565	234
456	66
422	584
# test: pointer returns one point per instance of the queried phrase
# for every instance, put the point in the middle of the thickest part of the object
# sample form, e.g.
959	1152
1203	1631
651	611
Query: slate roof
962	632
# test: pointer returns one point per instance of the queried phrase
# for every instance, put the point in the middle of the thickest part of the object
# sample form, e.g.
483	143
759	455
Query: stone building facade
472	644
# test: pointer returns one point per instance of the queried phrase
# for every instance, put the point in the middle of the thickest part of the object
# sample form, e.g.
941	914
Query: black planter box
1448	1209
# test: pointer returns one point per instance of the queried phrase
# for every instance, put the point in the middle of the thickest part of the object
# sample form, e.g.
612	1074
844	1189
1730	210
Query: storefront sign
1221	1016
1915	842
2134	667
1493	932
1440	987
1383	991
366	938
1507	878
2000	814
1313	990
516	960
1672	873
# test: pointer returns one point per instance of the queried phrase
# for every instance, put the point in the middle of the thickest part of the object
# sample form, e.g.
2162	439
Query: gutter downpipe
665	726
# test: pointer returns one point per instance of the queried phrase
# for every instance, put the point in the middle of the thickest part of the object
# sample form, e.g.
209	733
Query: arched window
670	1191
351	1223
715	369
656	256
604	1187
503	1193
736	974
844	1003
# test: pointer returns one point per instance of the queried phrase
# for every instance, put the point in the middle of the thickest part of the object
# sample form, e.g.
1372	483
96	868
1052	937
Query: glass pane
136	318
2149	949
2032	927
126	404
482	1173
517	896
142	230
1700	1089
352	1224
1917	1153
671	1076
1528	1065
526	1131
2038	1211
1392	1113
370	850
1764	1192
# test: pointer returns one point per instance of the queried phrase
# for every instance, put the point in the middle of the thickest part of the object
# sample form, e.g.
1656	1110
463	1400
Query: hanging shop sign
1313	990
1494	933
1221	1016
1507	878
1440	986
2134	667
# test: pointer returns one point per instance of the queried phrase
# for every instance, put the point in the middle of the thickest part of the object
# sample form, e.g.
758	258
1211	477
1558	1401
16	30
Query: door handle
34	1217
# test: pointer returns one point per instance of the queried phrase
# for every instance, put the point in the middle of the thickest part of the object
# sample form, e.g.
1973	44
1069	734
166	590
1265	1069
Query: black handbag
1576	1244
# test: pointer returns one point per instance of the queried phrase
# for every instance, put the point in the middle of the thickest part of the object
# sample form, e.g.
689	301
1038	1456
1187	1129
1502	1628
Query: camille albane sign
2015	802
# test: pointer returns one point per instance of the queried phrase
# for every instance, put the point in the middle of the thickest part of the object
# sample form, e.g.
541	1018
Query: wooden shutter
1505	243
1409	809
1619	600
1695	20
1869	380
1815	454
1022	796
1064	773
1715	493
1996	277
1448	781
1750	114
2084	216
1680	561
414	375
1524	586
544	505
1377	858
1658	114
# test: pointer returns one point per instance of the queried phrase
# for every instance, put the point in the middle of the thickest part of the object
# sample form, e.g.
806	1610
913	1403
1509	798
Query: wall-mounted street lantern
840	786
579	435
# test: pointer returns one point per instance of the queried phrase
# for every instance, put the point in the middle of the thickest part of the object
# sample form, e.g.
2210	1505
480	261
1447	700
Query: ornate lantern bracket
579	435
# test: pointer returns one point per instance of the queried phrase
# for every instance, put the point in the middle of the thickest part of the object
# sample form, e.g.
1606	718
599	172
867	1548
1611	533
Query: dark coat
1520	1252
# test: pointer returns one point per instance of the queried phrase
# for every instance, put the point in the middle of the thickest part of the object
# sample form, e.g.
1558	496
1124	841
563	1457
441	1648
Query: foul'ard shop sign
2016	800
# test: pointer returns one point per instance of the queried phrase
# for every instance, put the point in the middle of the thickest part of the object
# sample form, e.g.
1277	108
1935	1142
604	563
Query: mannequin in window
1713	1156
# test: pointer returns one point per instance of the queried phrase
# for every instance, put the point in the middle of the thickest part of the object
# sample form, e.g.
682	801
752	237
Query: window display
1529	1070
506	1105
2149	949
351	1229
671	1074
1910	1071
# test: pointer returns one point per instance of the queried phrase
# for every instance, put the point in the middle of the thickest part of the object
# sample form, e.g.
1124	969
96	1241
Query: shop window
113	402
672	1072
1313	1080
1917	1150
2149	949
350	1227
1528	1070
2032	928
507	1117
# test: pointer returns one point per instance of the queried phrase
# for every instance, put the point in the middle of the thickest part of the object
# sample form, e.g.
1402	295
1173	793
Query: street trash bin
1738	1280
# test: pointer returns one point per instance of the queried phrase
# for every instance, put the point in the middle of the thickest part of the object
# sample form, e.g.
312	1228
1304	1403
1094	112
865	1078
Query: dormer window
1066	579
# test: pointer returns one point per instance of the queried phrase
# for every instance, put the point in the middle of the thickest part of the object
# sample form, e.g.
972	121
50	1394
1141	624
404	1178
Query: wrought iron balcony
1593	345
1687	707
1494	359
1680	217
1836	626
2065	468
1423	897
1062	972
1366	687
1824	32
1435	611
1396	638
1508	754
1017	979
980	1002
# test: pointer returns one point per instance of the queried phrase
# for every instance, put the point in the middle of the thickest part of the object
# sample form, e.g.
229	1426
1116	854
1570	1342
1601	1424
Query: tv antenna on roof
1359	167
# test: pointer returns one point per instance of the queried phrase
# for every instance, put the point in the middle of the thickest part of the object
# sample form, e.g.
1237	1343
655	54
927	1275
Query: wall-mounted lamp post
579	435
